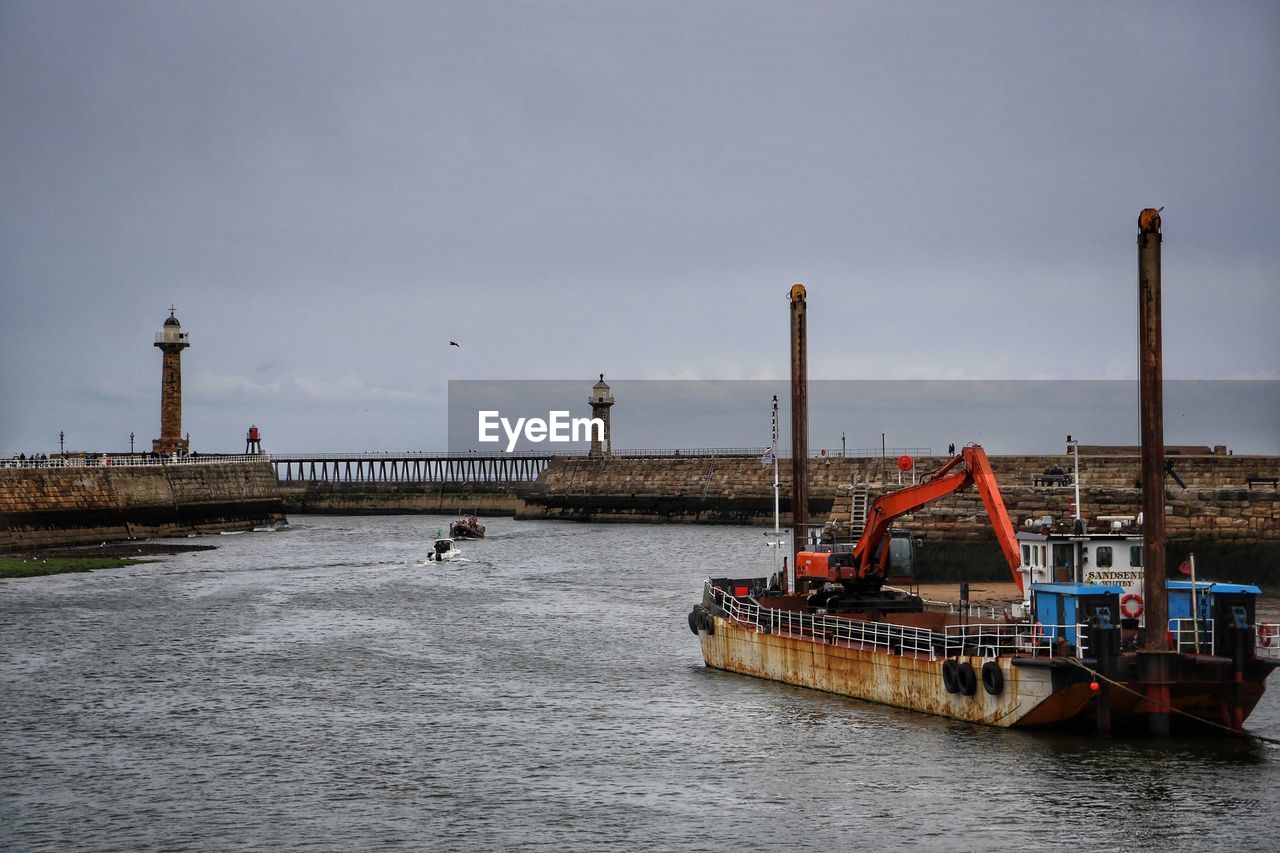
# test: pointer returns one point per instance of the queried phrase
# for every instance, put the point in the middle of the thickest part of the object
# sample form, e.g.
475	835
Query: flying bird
455	344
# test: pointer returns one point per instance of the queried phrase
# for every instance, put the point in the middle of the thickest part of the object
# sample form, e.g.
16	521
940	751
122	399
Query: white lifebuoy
1131	605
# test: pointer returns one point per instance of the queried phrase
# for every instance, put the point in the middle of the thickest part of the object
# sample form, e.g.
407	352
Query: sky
862	417
328	193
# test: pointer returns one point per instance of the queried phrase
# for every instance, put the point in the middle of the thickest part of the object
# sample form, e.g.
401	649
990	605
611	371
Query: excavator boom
973	468
985	479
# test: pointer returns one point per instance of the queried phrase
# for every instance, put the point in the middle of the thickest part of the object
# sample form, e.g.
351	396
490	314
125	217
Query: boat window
1135	555
1026	555
1102	556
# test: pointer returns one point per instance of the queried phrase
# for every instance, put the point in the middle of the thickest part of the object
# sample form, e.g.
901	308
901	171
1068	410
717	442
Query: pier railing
136	460
660	453
491	467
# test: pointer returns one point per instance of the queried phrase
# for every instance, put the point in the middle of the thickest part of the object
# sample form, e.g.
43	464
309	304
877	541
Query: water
323	688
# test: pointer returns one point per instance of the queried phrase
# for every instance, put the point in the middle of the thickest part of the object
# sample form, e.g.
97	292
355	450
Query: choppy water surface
324	688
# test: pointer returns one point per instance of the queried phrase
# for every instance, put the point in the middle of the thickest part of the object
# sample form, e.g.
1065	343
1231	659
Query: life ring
1131	605
967	679
992	678
950	675
1266	634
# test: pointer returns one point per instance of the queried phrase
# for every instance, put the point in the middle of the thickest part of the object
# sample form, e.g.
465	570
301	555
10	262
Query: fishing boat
468	527
1102	648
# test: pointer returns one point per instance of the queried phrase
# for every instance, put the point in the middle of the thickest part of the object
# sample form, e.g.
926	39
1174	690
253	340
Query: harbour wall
42	506
1218	499
1219	509
381	498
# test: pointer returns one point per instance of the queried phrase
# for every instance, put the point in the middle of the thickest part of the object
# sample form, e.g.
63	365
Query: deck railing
1192	638
985	640
989	640
1268	640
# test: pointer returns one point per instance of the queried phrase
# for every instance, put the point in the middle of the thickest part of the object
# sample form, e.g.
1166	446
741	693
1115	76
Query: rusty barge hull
913	682
1036	693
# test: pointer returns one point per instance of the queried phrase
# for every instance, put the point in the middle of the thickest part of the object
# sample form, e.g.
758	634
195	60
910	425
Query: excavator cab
898	556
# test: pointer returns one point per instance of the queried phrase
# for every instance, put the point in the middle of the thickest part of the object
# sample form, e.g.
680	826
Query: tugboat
1086	648
467	528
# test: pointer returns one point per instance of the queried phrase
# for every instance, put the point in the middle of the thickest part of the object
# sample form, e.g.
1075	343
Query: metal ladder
706	478
859	499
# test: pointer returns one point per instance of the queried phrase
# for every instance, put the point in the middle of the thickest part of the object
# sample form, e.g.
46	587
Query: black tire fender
950	675
992	678
966	679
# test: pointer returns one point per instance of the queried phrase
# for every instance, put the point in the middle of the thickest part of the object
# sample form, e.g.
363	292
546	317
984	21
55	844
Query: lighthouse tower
171	341
601	401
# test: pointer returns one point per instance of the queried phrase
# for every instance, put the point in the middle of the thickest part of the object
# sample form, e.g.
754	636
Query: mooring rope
1169	707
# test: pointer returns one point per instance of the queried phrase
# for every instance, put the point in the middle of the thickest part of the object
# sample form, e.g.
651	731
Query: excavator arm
985	479
973	469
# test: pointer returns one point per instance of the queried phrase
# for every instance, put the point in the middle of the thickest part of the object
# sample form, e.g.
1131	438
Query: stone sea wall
1217	501
61	506
363	498
1231	526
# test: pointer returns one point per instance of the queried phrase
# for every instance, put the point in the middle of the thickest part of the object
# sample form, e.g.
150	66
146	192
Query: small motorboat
444	549
467	528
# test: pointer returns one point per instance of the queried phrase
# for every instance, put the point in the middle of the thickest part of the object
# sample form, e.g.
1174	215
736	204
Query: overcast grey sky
330	192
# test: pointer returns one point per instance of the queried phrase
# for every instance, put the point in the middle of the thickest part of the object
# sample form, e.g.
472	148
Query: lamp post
131	444
62	450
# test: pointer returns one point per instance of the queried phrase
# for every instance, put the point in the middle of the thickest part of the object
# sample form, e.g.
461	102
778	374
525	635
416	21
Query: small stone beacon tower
171	341
601	401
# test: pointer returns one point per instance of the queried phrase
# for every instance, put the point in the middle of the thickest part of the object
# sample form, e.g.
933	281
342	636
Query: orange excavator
875	556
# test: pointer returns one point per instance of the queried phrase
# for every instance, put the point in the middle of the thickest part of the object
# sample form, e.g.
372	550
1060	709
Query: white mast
777	484
776	544
1075	449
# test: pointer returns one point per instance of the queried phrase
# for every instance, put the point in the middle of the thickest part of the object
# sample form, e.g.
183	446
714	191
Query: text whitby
558	427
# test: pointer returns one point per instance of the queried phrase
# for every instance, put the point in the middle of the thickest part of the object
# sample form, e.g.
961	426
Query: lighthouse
601	401
171	341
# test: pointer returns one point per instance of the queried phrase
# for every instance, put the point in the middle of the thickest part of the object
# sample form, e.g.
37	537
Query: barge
1089	645
1080	669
